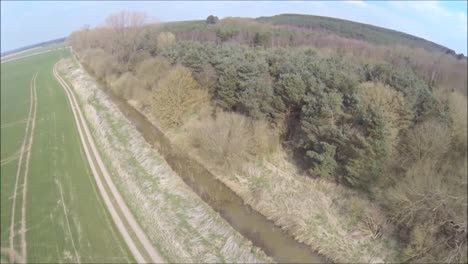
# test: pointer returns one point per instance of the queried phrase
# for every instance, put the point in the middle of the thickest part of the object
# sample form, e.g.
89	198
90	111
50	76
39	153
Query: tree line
393	127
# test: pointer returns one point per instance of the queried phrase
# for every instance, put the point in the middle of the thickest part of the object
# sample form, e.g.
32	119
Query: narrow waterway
251	224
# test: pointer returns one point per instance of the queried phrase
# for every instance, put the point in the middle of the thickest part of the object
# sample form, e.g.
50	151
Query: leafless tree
126	28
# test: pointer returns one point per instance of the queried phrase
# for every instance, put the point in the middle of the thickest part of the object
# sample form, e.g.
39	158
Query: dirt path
31	117
127	224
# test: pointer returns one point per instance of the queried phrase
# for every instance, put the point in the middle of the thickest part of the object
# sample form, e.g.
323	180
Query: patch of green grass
65	216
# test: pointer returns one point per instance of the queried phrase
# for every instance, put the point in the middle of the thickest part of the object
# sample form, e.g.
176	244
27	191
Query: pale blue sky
444	22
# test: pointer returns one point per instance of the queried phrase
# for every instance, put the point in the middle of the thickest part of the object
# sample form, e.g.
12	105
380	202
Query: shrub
165	39
176	97
428	140
262	39
458	115
207	78
432	209
229	139
212	19
394	107
150	71
126	85
291	88
102	63
138	58
404	80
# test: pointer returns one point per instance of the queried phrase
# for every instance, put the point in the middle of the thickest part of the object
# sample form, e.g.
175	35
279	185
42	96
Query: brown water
251	224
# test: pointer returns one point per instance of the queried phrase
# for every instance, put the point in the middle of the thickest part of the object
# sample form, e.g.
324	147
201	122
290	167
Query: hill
37	45
355	30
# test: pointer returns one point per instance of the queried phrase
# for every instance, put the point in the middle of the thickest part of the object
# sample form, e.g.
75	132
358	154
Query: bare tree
126	28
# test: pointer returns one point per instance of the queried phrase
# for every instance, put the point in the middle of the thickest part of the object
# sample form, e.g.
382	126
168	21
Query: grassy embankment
177	221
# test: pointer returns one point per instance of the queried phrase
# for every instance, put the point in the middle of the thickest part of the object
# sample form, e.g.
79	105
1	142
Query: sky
29	22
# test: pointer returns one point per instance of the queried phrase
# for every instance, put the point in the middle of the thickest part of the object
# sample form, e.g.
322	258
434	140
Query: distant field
28	52
65	220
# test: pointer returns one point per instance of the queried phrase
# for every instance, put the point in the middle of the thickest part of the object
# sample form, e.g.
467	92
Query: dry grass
177	221
229	139
458	114
338	222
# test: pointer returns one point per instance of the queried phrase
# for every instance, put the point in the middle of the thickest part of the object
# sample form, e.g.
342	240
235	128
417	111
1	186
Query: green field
33	51
65	218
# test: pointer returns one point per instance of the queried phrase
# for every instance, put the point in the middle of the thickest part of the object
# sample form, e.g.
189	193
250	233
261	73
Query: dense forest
375	112
356	30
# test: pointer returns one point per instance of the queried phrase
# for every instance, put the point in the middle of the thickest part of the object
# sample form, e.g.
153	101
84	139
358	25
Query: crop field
33	51
50	208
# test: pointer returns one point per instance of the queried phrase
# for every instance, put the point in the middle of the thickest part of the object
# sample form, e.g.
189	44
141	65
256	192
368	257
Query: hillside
34	46
354	30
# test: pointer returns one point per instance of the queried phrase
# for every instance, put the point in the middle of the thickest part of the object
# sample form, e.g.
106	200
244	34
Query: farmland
47	189
32	51
72	211
289	138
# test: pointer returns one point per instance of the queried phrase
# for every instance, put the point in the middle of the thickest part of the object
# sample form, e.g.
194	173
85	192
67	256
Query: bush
432	210
126	85
176	97
429	197
392	104
229	139
262	39
429	140
207	78
102	64
458	115
212	19
192	55
165	39
138	58
150	71
404	80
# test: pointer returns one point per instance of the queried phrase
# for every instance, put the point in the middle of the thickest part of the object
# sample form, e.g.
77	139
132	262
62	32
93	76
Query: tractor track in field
136	240
14	123
25	177
9	159
13	256
67	221
27	142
